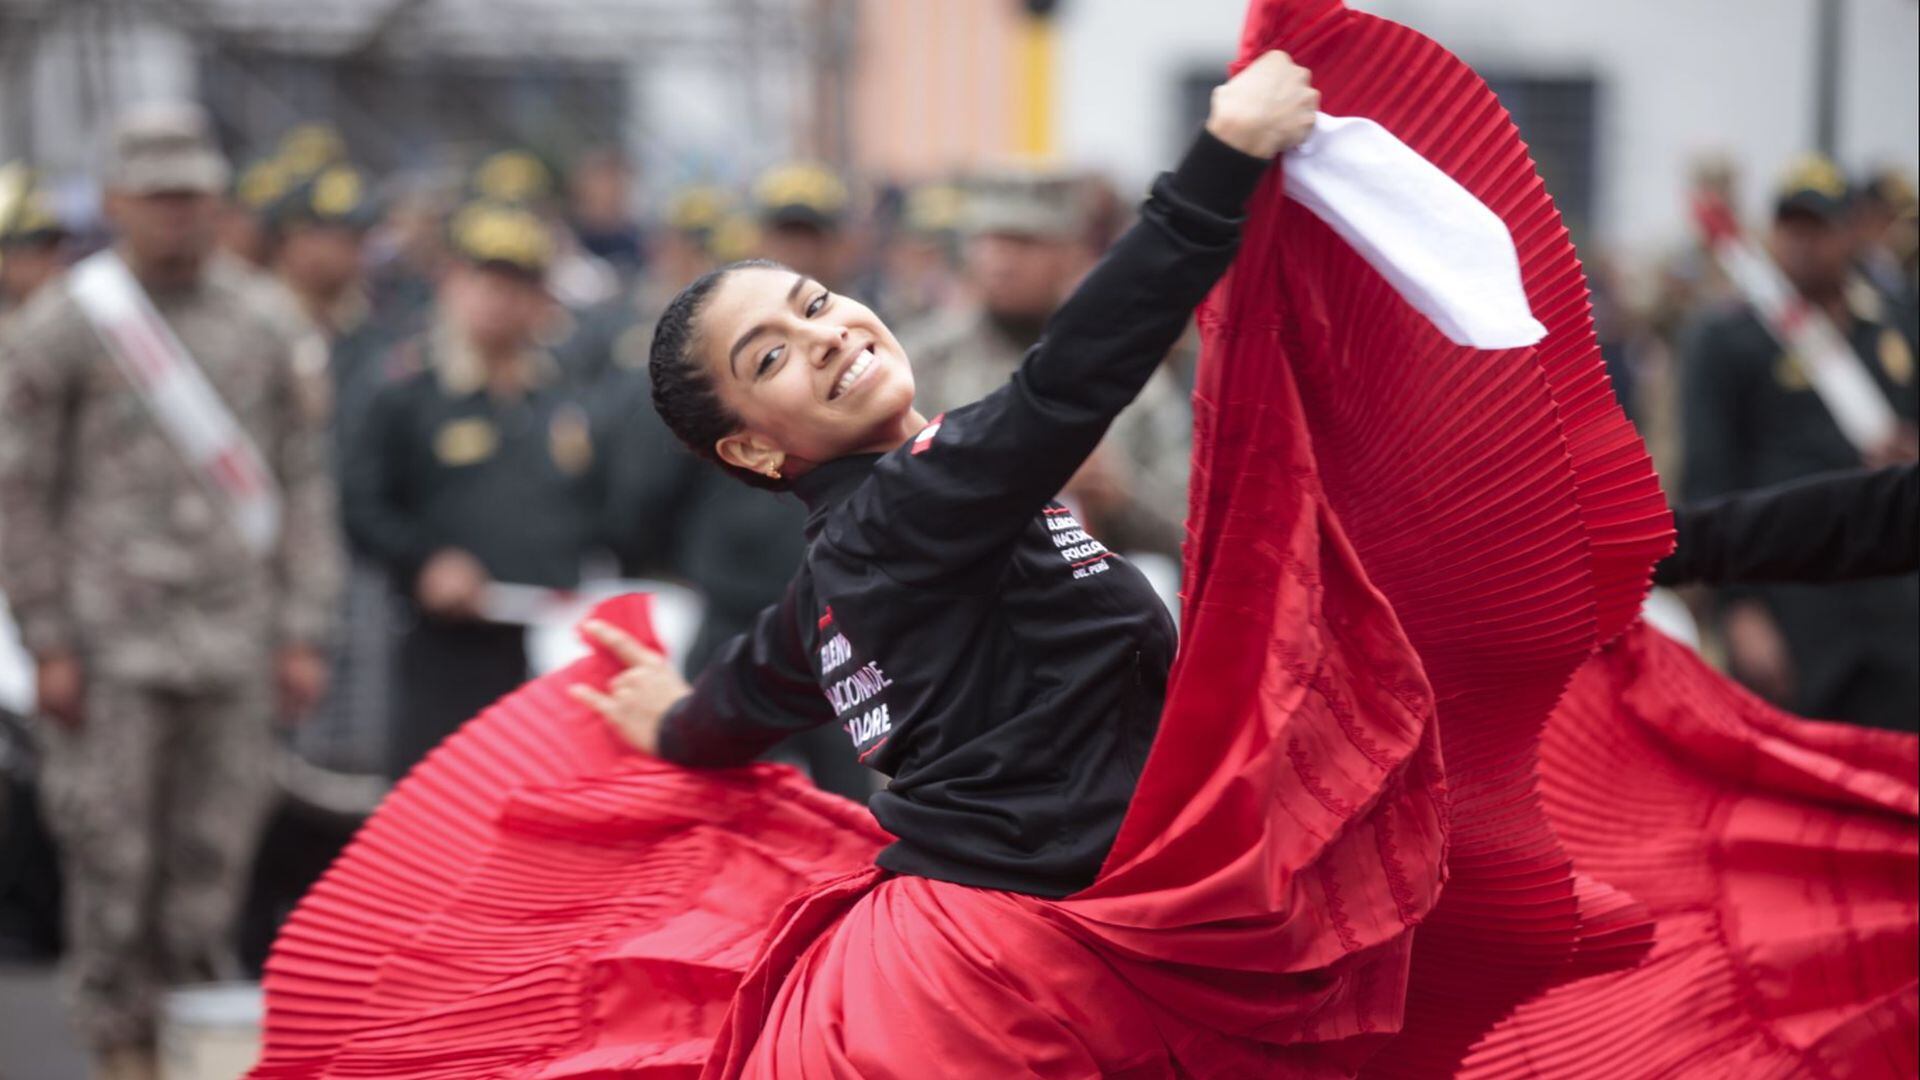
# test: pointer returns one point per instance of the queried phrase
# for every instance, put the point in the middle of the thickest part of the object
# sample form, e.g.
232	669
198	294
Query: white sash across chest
182	401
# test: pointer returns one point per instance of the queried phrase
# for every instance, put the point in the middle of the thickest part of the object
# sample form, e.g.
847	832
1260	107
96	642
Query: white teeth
853	374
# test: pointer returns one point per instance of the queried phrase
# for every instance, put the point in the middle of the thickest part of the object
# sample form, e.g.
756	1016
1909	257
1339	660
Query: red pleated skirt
1341	857
1779	857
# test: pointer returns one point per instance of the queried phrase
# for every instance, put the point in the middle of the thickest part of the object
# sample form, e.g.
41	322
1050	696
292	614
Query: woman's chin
886	422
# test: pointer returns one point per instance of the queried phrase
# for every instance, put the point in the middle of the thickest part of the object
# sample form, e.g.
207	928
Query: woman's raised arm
967	485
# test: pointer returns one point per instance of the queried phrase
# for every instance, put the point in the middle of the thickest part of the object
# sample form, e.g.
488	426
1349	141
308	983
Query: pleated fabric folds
1781	858
1341	859
1490	515
536	900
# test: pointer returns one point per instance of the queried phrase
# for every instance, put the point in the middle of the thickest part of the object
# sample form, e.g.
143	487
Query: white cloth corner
1441	248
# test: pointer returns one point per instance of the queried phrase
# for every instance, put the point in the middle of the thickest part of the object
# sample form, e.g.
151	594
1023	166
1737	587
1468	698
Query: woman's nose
830	345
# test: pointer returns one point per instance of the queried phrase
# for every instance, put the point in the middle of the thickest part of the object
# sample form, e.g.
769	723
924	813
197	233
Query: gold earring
773	474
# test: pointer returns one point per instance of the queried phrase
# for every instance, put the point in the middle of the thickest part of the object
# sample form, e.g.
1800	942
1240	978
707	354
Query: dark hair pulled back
684	393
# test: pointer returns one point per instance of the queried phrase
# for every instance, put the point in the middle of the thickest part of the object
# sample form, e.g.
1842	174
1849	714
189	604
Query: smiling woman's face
812	375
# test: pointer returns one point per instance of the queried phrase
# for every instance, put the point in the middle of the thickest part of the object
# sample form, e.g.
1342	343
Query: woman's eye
767	361
815	306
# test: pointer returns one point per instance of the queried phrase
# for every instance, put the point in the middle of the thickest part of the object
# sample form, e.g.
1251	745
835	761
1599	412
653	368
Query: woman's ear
745	450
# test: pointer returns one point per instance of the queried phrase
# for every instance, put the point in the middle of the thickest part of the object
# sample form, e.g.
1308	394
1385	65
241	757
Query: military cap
698	209
1891	187
165	147
25	217
800	193
735	237
933	209
308	148
512	176
503	236
336	195
1812	186
1029	201
262	184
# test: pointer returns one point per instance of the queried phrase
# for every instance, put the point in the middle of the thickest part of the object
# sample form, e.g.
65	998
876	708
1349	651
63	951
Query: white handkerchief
1439	246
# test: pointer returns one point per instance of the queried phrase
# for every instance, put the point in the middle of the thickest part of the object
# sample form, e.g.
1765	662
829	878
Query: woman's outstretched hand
638	698
1266	109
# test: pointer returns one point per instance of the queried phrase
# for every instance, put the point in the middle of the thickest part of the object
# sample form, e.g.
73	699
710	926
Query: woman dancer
1003	668
1393	538
1062	893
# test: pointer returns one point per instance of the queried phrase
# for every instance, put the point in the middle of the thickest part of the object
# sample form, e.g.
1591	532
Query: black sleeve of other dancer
756	691
1836	527
943	507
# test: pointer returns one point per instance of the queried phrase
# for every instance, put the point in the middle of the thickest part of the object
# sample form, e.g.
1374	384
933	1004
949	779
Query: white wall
1678	78
1120	62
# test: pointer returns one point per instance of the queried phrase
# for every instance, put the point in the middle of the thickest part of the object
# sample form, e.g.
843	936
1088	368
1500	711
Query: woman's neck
910	425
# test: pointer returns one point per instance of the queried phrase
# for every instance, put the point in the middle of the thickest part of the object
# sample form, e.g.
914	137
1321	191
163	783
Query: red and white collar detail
925	439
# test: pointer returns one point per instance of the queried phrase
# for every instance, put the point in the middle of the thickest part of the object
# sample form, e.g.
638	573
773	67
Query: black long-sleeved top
1001	666
1833	527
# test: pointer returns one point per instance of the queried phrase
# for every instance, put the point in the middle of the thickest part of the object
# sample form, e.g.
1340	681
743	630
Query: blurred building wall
716	89
700	89
934	85
60	89
1676	79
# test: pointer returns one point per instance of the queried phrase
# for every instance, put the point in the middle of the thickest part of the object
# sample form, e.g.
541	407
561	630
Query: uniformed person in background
1750	419
478	469
600	211
694	238
1884	230
801	208
650	476
33	241
33	253
917	277
162	624
577	278
243	213
606	354
315	244
1026	246
316	249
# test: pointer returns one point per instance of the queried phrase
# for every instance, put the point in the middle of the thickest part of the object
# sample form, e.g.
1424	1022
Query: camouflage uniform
111	549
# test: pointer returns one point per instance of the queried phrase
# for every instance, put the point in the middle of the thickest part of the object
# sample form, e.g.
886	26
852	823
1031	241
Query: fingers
593	699
623	645
631	679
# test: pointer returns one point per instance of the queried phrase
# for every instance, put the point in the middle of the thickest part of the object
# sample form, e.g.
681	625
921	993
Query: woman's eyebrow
799	282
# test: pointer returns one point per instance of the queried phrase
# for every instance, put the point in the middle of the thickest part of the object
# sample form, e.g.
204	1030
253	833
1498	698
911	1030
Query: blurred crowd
444	380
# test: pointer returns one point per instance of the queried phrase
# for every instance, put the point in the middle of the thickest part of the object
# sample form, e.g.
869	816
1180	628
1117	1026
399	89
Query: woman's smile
854	372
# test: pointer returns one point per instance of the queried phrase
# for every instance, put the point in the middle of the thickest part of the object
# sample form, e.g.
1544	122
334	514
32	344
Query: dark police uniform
441	462
961	629
1752	420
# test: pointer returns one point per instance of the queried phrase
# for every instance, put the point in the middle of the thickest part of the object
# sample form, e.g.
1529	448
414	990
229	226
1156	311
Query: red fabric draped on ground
1781	857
